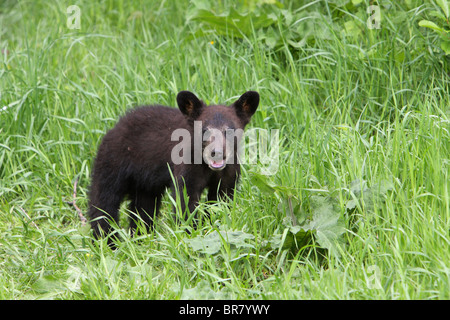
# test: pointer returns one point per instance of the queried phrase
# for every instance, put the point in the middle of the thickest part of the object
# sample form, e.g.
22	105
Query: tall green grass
362	108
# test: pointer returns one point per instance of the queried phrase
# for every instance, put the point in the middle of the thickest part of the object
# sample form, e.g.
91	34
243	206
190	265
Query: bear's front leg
221	186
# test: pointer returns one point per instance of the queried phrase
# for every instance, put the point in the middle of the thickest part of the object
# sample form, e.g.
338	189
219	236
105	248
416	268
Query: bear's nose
217	154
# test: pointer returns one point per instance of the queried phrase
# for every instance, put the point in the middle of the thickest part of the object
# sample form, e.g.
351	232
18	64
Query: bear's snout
214	155
217	160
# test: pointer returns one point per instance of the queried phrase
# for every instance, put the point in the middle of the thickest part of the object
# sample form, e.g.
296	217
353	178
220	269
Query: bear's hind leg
104	209
146	206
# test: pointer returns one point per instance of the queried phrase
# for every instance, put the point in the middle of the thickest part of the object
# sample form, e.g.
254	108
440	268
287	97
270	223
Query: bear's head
221	127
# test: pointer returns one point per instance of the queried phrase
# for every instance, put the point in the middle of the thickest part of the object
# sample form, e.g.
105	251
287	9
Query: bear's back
140	143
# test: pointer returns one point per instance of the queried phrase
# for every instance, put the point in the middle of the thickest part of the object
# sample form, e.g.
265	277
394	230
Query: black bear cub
134	157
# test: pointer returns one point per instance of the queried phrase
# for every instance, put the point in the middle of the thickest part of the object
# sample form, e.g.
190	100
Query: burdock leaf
212	243
209	244
366	196
262	182
203	291
232	21
326	223
237	238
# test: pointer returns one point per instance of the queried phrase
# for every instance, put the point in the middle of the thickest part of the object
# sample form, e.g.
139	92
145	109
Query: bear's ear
246	105
189	104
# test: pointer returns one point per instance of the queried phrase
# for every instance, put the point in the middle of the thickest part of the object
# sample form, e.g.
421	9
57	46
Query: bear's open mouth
217	164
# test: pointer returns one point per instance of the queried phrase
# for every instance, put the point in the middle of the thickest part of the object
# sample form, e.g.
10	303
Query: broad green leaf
445	45
438	15
203	291
431	25
265	185
262	182
351	28
291	207
297	44
209	244
233	21
201	4
288	17
293	238
367	197
237	238
326	223
212	243
325	226
48	284
444	6
302	237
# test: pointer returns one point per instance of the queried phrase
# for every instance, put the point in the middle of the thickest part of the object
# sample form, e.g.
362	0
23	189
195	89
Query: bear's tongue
217	164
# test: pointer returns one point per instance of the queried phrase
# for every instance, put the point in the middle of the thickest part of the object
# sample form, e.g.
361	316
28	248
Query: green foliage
363	177
442	28
268	21
232	22
321	224
213	242
365	197
203	291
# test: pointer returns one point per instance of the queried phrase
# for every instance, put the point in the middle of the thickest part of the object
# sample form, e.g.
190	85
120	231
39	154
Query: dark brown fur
134	157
